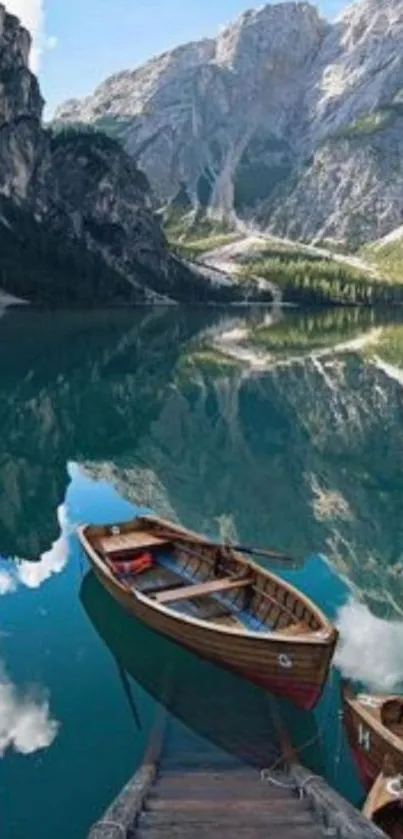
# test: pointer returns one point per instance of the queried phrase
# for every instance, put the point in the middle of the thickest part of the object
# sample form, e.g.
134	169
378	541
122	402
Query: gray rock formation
76	220
282	118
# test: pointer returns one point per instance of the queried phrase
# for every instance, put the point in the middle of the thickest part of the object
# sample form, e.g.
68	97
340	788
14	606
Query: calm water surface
104	414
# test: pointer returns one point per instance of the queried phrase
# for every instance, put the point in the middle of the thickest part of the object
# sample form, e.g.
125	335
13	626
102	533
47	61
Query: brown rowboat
216	603
374	726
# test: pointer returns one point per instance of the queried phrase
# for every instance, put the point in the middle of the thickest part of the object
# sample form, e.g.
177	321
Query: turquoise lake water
103	415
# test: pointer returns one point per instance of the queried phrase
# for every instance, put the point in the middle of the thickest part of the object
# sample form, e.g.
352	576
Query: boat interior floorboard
156	579
168	575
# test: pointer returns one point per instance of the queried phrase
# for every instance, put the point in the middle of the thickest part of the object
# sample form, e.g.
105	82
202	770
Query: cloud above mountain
32	15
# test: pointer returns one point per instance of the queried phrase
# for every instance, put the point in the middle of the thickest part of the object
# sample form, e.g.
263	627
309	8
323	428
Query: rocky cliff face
21	137
273	120
76	220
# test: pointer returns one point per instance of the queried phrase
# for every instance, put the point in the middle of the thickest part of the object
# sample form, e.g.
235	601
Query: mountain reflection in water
104	413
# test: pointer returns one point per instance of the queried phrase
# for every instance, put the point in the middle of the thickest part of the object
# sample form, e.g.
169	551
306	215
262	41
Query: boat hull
292	670
384	805
369	742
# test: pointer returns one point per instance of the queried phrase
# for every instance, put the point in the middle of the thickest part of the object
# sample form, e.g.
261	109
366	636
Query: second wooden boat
216	603
374	727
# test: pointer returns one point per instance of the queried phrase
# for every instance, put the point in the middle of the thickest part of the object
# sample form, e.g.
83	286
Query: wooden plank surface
228	800
201	589
134	540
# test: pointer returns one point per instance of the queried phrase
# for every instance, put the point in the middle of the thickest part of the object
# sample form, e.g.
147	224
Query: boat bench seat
135	540
299	628
203	589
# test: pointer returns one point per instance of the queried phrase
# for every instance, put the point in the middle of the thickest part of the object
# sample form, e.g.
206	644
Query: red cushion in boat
140	562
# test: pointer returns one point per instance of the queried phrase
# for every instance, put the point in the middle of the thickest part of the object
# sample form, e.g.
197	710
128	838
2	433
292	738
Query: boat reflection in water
233	714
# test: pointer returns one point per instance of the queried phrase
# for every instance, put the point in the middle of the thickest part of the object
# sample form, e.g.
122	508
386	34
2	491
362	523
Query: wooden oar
243	549
269	554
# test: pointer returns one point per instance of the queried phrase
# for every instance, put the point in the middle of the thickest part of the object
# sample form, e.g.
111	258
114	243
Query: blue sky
83	41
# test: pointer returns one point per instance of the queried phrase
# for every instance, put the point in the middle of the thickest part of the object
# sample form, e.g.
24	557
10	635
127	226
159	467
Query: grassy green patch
192	237
370	123
388	345
210	360
194	248
301	333
285	253
179	223
388	258
365	126
323	282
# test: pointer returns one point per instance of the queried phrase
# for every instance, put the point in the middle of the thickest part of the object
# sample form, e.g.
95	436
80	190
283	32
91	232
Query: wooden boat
384	805
221	707
216	603
374	727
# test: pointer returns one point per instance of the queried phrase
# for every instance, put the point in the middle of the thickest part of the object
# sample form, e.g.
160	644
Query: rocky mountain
76	219
283	118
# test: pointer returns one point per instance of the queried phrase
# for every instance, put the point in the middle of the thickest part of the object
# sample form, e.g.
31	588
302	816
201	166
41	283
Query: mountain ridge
271	121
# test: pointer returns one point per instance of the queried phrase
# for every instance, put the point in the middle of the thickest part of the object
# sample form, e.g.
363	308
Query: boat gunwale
324	637
379	799
373	716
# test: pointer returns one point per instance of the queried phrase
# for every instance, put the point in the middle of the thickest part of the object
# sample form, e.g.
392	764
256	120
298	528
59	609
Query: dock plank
217	796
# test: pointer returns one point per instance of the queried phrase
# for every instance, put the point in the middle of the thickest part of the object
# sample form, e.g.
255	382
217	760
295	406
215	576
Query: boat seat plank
397	729
300	628
132	541
202	589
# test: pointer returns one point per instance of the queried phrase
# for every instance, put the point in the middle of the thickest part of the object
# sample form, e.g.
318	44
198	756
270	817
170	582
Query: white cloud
25	722
32	15
370	650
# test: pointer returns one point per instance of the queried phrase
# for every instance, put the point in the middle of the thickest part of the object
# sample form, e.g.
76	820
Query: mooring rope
265	773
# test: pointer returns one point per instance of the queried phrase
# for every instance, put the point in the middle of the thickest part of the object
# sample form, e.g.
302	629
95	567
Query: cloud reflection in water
25	722
370	649
33	574
8	583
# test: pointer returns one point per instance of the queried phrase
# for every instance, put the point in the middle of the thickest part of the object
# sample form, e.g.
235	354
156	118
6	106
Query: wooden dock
189	789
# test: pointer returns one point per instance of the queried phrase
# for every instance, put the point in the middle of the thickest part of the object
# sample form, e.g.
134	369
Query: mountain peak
272	120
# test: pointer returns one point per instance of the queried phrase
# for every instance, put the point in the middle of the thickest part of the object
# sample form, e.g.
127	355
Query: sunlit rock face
273	120
21	137
77	224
